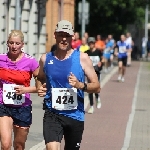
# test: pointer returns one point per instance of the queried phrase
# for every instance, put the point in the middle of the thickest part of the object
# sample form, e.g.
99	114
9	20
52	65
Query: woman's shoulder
3	56
28	56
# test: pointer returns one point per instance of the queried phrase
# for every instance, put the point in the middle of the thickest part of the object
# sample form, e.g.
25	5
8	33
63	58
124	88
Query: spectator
107	53
76	41
99	43
86	35
110	38
144	41
84	46
129	42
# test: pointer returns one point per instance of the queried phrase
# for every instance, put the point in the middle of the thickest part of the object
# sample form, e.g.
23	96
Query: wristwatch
85	87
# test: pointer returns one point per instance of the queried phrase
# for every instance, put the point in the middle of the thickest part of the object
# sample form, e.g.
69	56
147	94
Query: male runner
97	59
122	57
64	71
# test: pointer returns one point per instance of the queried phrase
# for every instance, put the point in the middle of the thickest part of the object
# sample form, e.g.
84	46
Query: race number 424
64	100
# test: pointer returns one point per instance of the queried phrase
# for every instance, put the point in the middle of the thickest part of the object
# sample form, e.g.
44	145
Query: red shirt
75	43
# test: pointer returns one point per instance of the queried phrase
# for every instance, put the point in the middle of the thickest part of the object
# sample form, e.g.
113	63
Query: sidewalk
140	134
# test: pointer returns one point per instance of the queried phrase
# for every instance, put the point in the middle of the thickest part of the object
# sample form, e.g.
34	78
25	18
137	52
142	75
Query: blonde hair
16	33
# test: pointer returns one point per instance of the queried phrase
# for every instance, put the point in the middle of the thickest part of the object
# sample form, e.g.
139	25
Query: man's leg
52	131
129	58
106	65
97	95
73	134
91	110
120	69
53	146
111	60
124	68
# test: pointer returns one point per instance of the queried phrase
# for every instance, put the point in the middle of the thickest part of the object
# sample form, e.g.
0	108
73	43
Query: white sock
99	99
92	107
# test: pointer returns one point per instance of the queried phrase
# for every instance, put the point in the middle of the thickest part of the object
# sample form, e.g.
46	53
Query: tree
113	16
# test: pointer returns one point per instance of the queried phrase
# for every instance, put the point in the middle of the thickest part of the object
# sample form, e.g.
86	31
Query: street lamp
83	17
18	15
83	14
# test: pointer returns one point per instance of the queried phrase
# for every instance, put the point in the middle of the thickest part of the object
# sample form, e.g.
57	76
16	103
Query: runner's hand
20	90
73	80
42	90
99	64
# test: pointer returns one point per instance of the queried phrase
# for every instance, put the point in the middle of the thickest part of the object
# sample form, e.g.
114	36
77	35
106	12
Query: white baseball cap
64	26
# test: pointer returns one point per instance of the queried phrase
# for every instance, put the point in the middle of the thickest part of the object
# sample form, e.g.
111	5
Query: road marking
131	116
41	145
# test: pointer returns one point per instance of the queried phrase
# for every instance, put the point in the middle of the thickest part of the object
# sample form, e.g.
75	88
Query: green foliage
112	16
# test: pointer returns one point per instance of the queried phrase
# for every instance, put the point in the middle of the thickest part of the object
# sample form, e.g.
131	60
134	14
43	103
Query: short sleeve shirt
19	73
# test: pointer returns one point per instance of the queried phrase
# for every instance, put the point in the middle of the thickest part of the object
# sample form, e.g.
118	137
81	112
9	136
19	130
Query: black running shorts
124	60
55	126
22	116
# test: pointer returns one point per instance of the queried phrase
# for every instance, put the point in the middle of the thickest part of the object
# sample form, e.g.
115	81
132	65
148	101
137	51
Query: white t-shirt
129	40
144	41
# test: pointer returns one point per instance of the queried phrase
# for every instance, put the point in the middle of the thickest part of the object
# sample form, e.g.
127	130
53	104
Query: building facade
37	20
57	10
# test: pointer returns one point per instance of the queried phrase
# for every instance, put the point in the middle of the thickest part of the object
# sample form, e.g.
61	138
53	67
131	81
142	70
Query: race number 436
64	98
13	95
10	97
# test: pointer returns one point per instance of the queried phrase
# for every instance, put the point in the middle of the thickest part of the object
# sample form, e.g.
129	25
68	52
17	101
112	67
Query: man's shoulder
84	59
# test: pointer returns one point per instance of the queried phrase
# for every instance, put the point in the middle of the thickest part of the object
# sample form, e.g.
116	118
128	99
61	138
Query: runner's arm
32	89
93	85
101	58
40	78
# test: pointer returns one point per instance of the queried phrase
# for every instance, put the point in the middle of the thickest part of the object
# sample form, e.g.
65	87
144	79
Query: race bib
10	97
95	60
122	49
64	98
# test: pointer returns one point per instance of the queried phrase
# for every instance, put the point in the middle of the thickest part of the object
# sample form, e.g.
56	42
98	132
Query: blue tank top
57	72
